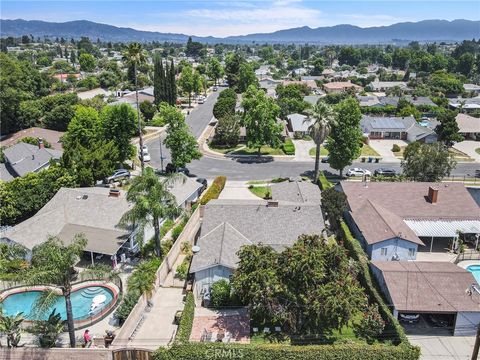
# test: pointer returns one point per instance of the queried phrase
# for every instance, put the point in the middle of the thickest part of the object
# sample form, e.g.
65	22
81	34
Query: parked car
204	185
145	149
325	159
215	88
438	320
119	174
146	157
358	172
385	172
171	169
409	318
201	100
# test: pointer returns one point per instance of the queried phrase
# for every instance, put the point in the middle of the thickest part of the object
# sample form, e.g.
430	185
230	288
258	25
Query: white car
358	172
146	157
409	318
201	100
145	150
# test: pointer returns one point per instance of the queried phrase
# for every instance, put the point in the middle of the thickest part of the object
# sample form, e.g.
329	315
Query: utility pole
161	153
477	344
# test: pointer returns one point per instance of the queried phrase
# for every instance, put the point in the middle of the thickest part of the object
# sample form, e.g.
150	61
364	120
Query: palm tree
321	120
53	264
152	202
135	56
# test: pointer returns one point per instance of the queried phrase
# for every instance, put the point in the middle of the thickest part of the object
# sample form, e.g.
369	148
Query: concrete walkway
302	149
444	347
468	147
384	148
158	328
237	190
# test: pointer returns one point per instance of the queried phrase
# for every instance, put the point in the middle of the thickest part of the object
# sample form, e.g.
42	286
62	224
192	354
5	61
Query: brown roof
468	124
416	286
310	83
408	200
340	85
52	136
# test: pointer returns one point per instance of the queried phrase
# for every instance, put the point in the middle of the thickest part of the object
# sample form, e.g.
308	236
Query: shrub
182	269
396	148
323	182
220	293
289	147
278	180
177	230
166	226
128	303
186	321
34	141
371	326
334	203
214	190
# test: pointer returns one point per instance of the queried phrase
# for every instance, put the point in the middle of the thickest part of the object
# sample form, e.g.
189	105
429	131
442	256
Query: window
383	251
411	252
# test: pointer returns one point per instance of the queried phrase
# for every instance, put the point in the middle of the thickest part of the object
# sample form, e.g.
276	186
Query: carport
431	288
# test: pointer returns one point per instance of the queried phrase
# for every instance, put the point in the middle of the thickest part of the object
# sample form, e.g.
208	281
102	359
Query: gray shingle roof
25	158
296	192
299	122
227	225
382	123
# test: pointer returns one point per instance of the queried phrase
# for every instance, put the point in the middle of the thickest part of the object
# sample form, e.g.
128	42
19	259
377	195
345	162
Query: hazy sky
223	18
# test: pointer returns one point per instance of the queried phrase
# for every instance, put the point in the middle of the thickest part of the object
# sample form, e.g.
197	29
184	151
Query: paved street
257	169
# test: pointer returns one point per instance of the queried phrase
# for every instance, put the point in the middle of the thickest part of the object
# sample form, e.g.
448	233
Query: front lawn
477	150
224	149
367	150
261	191
323	151
265	150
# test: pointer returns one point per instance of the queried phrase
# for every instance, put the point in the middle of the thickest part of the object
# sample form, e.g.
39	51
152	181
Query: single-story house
90	94
402	128
384	85
469	126
298	124
340	86
392	219
50	136
420	100
472	87
368	100
468	105
312	84
431	288
63	77
228	225
311	77
23	158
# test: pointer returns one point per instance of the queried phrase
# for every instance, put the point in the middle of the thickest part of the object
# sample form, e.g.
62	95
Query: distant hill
427	30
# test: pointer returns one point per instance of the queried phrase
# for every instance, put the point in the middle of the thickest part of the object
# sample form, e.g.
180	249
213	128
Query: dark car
119	174
384	172
204	185
171	169
438	320
325	159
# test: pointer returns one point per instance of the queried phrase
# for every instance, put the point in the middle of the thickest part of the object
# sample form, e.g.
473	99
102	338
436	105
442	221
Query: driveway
444	347
237	190
384	148
302	149
468	147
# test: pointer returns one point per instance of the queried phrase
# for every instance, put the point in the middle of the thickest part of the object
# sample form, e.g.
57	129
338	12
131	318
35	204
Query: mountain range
423	31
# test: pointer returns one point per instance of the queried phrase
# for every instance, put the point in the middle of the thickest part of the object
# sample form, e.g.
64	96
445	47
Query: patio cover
443	228
102	241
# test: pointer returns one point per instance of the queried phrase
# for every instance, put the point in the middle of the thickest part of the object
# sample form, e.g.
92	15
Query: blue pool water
475	270
81	302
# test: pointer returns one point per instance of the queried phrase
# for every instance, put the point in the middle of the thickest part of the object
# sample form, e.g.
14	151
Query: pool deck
466	263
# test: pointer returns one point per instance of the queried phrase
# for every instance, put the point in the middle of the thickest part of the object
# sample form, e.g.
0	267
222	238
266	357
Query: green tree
187	82
135	57
344	142
427	162
371	325
87	62
59	118
446	83
227	131
290	99
224	106
152	202
159	81
118	123
260	119
11	327
220	293
349	56
214	69
182	144
334	203
321	119
246	77
232	68
448	130
193	48
147	109
48	330
466	64
73	57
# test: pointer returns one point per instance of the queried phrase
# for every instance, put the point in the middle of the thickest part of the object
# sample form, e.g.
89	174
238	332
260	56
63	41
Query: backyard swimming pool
82	300
475	270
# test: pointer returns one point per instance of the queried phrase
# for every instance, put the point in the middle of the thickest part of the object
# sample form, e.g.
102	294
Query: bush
128	303
214	190
278	180
34	141
352	351
177	230
396	148
220	293
289	147
182	269
323	182
166	226
371	326
186	321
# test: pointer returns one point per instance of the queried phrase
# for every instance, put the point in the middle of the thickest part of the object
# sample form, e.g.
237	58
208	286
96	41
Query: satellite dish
195	249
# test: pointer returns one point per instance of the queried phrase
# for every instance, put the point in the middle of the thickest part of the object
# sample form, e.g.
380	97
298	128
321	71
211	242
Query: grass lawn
257	182
224	150
265	150
323	151
477	150
260	191
367	150
459	155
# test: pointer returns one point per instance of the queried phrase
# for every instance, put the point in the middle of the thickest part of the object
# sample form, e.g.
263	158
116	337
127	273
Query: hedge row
286	352
186	321
393	329
323	182
289	147
214	190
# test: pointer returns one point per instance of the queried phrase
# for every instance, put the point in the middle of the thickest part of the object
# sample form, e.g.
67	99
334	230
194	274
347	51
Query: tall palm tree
321	119
53	264
152	202
135	56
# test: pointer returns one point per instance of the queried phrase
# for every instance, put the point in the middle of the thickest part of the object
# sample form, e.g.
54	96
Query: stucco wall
396	246
466	323
205	278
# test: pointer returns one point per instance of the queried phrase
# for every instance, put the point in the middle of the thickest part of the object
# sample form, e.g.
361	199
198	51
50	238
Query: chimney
272	203
433	194
41	145
114	193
